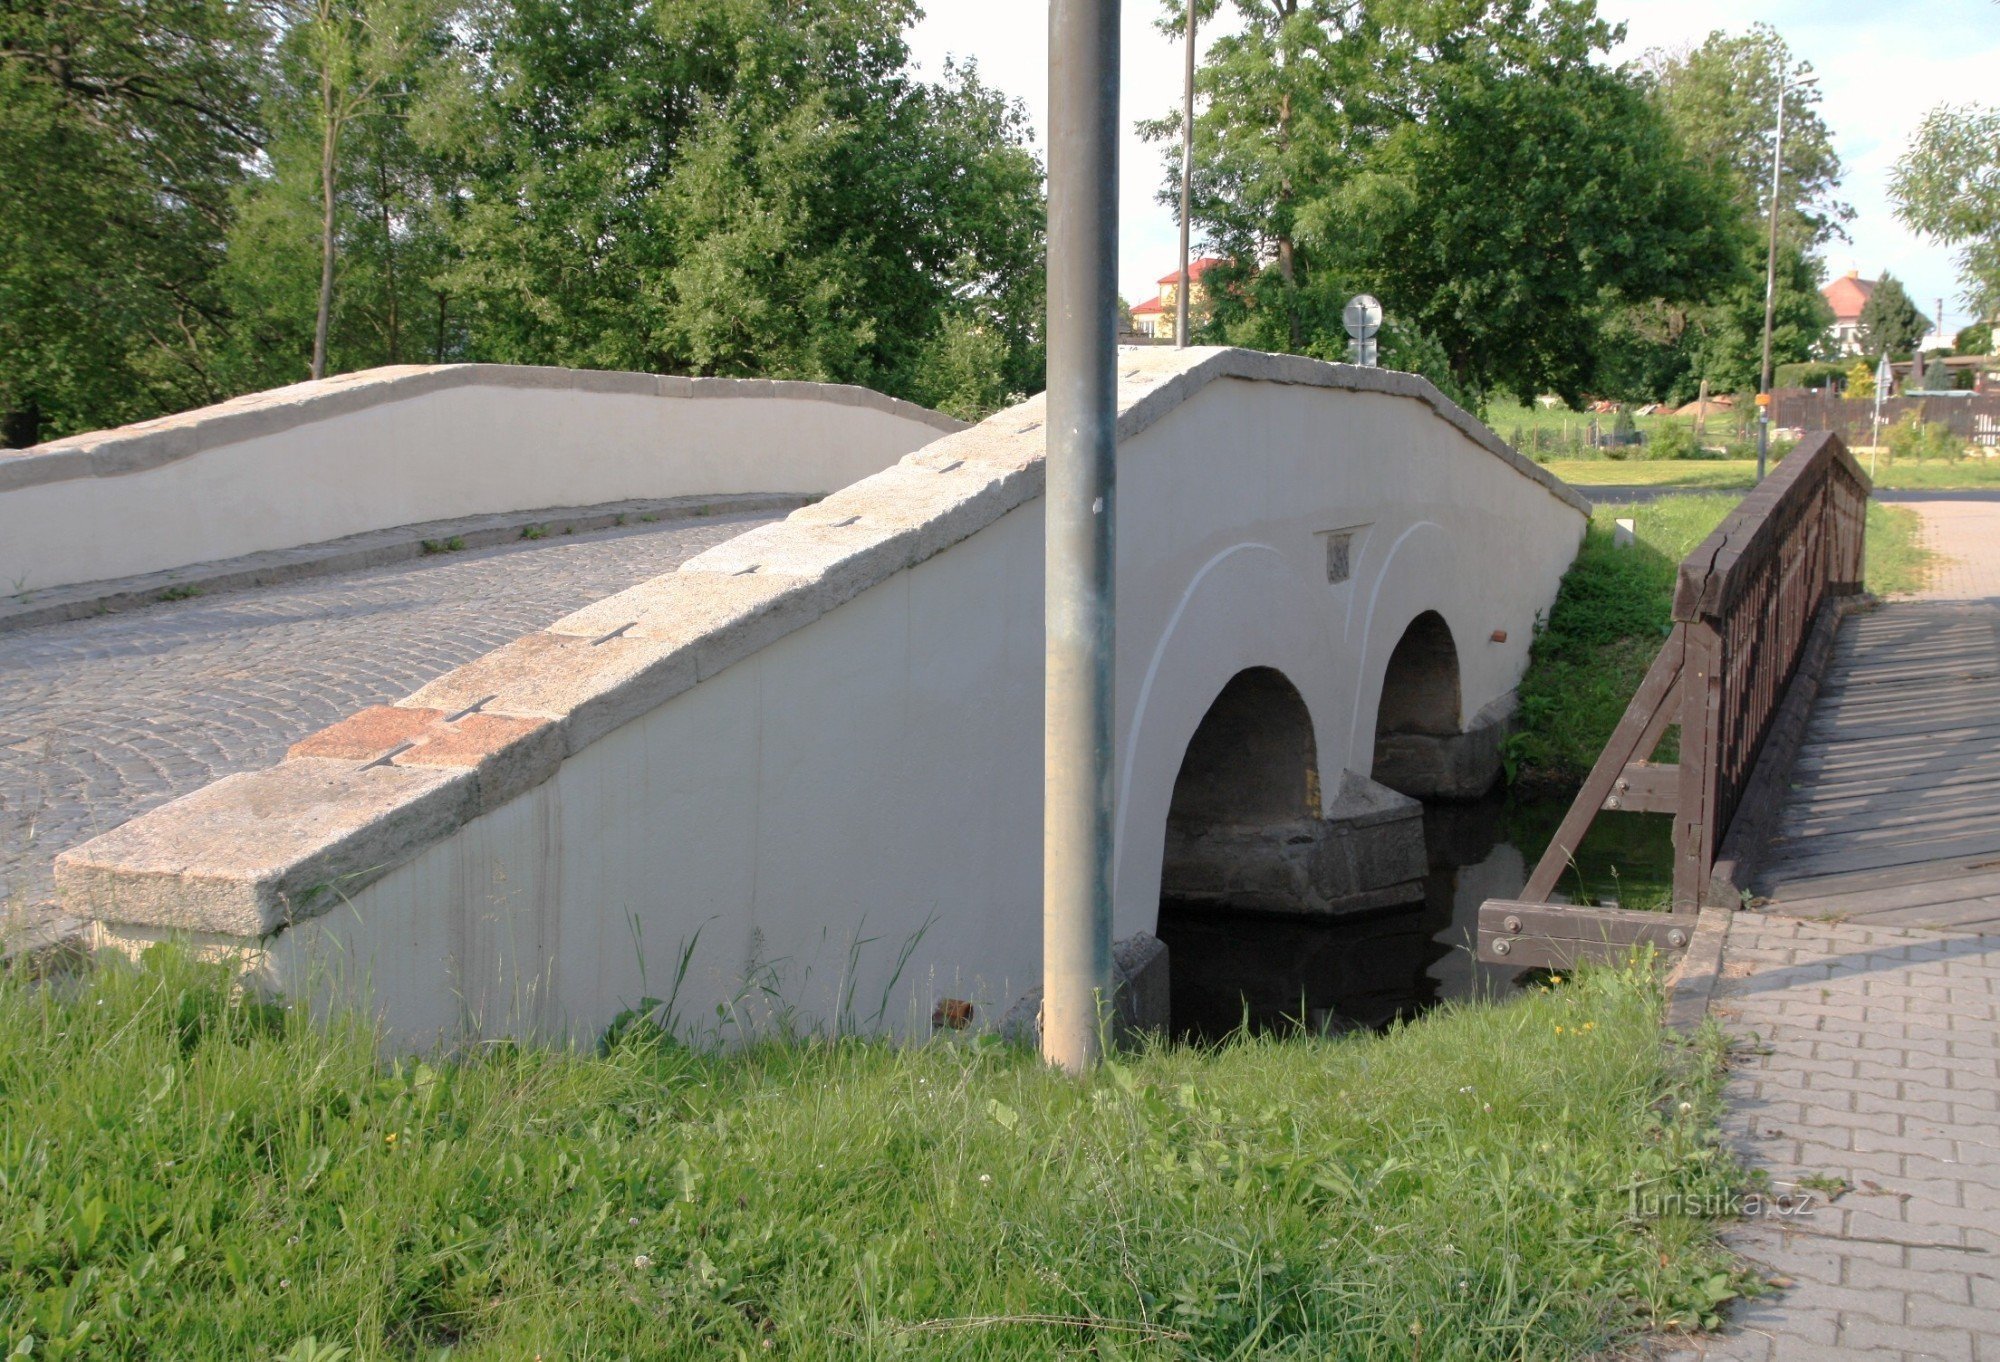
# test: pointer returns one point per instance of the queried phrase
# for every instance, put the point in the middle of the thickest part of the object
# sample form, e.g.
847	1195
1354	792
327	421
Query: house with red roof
1847	295
1156	316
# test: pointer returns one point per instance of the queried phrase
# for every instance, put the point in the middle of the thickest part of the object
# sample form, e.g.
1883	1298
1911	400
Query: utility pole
1079	502
1187	184
1771	270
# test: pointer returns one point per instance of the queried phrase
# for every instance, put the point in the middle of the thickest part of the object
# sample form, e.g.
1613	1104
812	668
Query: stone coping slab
164	440
252	853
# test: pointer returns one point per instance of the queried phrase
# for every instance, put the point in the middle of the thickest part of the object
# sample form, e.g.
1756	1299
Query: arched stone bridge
809	757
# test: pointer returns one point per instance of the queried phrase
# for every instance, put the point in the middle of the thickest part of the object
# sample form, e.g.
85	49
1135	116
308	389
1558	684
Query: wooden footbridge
1830	765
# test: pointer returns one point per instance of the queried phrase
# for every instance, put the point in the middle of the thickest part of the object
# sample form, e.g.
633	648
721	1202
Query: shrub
1861	382
1672	440
1912	437
1816	373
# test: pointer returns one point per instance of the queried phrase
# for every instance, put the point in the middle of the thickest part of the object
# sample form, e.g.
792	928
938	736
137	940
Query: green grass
182	1175
1616	607
1897	561
1741	474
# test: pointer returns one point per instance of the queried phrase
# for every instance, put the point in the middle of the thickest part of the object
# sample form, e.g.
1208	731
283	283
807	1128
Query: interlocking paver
103	719
1907	1263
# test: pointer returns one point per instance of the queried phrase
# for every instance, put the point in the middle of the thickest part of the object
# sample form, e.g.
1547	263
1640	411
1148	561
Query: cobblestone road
103	719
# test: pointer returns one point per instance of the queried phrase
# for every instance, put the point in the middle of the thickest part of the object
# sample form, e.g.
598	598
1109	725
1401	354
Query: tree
1947	186
1890	323
117	172
1468	161
1860	382
1722	99
1976	339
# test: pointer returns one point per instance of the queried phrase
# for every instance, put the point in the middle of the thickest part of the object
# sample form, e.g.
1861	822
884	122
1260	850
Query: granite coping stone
149	444
254	852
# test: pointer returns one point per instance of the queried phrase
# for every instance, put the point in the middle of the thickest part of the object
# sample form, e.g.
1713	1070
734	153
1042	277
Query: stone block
370	734
585	686
251	853
1447	766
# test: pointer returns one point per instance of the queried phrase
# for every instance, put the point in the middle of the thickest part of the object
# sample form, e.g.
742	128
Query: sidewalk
1867	1088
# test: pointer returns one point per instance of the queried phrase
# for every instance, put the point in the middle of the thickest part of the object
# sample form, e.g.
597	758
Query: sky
1881	66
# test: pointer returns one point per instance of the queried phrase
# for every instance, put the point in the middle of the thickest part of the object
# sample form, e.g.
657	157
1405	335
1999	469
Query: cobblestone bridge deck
105	718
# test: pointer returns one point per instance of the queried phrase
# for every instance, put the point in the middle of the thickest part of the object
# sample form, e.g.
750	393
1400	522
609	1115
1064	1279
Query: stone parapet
256	852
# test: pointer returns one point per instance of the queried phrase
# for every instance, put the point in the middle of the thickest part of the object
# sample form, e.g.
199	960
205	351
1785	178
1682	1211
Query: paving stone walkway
103	719
1870	1061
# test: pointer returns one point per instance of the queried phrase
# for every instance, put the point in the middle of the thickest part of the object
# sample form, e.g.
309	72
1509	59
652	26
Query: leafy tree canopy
1890	323
1947	186
1471	162
692	186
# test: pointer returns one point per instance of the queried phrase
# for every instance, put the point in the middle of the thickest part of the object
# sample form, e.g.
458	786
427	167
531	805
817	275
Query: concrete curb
1692	984
373	548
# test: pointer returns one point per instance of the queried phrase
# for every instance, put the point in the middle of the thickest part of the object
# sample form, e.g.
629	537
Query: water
1366	970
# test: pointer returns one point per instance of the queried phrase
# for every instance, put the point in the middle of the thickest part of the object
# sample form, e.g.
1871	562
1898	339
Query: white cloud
1881	66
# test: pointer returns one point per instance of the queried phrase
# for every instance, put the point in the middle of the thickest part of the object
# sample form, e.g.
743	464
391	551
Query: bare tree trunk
388	249
440	331
329	148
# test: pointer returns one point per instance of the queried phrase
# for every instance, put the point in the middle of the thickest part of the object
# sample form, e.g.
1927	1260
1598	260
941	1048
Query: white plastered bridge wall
828	731
419	443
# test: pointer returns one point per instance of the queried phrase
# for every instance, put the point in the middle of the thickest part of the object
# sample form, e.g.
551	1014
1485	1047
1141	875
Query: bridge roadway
103	719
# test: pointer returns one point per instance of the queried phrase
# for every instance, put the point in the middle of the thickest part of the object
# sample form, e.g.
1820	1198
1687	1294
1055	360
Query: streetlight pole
1081	475
1771	272
1187	183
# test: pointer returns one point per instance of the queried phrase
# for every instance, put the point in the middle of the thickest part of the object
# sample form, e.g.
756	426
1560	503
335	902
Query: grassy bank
184	1176
1741	474
1615	608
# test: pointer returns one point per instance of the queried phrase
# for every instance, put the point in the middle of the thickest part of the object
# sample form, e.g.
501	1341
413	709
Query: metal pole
1081	473
1187	183
1771	278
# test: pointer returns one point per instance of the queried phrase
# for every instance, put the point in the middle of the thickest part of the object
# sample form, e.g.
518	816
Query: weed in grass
190	1174
183	592
534	532
455	544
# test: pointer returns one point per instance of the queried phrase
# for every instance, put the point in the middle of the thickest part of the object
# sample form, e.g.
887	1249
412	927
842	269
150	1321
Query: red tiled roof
1147	308
1847	295
1196	269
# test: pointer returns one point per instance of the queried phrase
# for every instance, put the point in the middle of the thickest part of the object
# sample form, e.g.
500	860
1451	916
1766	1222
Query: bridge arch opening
1243	822
1419	719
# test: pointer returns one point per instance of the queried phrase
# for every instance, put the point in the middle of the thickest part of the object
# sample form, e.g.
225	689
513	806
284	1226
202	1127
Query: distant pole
1187	183
1771	279
1081	475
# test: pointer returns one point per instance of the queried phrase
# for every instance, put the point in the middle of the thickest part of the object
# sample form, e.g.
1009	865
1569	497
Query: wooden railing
1754	602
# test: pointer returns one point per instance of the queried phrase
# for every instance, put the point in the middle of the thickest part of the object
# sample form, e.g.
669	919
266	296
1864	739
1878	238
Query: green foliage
743	187
1815	373
1912	437
1615	608
1947	186
1474	166
1937	378
1609	618
1722	99
118	164
1890	323
1976	339
1672	440
962	370
1860	381
192	1174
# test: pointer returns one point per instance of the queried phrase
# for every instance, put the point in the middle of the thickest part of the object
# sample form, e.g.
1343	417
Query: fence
1754	601
1973	417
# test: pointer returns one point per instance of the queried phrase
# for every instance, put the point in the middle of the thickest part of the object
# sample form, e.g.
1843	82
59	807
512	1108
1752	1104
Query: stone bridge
801	770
